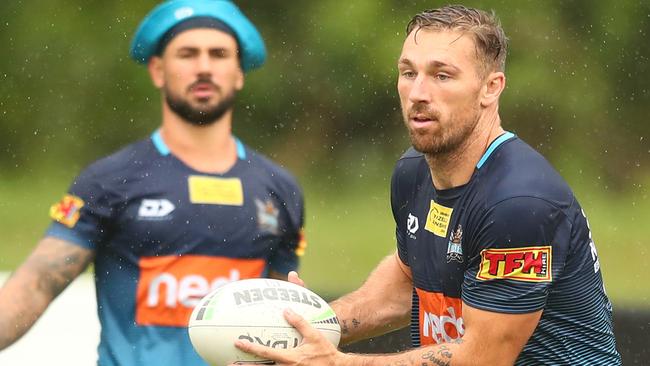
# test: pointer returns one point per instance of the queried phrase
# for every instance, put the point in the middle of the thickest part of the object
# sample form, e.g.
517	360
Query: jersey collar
162	148
500	140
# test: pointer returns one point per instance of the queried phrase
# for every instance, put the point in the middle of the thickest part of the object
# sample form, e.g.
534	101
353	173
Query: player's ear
239	82
495	82
155	67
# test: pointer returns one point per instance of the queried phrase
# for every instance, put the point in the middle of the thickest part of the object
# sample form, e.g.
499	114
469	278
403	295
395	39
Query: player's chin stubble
199	116
448	137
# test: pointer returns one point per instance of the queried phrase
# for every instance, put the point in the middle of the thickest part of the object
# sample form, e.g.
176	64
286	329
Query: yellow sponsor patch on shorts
215	191
528	264
438	219
67	210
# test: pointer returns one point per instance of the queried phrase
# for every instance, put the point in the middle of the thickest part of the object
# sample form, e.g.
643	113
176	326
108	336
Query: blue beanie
170	13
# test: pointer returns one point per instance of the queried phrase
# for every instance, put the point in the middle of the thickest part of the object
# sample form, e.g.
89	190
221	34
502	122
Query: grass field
350	228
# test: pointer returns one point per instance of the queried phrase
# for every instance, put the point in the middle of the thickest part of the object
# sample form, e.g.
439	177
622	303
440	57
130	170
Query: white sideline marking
66	334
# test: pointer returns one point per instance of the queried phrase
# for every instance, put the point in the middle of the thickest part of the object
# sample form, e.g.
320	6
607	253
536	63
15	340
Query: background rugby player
495	264
170	217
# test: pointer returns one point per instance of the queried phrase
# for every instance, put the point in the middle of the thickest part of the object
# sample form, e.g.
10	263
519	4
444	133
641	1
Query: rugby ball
252	310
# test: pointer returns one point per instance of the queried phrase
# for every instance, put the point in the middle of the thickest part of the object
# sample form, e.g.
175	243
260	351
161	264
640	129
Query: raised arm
48	270
380	305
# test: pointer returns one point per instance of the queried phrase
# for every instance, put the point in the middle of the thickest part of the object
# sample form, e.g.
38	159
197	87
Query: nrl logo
412	225
455	246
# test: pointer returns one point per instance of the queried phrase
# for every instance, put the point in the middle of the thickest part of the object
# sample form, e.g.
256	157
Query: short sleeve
396	202
517	250
84	213
287	255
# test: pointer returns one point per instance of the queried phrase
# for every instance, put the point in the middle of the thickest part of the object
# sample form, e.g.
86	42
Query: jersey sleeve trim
531	307
59	231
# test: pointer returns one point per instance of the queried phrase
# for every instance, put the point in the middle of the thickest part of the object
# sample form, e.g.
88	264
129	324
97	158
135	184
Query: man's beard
448	138
204	116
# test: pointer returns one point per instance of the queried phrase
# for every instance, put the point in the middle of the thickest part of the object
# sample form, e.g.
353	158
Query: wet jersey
512	240
165	235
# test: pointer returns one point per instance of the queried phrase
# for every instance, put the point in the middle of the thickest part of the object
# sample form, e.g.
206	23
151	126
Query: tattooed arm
51	267
490	339
380	305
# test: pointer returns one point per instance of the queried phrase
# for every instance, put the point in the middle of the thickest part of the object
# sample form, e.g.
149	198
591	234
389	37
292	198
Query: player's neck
456	168
208	149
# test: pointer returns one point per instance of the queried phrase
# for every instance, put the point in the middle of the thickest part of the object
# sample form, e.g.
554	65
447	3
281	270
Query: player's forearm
448	354
490	338
381	305
21	303
52	266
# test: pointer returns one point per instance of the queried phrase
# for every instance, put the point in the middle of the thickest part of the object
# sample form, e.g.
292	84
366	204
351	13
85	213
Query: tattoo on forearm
59	273
439	357
345	329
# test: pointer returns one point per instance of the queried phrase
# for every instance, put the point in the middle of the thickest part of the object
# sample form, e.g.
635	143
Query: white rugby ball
252	310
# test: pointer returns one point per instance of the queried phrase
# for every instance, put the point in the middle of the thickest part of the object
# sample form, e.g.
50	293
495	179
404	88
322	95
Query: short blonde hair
491	42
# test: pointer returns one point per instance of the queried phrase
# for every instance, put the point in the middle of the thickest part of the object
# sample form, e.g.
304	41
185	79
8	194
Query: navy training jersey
512	240
165	235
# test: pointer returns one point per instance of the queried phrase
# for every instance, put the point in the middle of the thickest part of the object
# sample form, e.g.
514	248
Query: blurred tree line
577	83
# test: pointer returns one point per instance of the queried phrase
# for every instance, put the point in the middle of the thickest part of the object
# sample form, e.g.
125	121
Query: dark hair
192	23
491	42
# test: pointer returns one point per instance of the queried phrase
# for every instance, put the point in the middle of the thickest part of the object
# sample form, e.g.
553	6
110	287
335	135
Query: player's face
199	74
439	86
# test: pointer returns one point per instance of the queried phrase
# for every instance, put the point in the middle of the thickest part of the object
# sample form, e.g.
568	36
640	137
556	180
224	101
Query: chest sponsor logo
170	287
267	216
438	219
155	209
455	246
215	191
412	225
67	211
440	318
528	264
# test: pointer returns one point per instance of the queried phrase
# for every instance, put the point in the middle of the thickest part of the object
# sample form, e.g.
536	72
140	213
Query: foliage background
325	106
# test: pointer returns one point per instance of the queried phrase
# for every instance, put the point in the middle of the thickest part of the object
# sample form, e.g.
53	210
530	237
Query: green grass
620	225
350	228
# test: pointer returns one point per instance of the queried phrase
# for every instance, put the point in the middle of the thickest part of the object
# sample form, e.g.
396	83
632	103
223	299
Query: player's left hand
314	350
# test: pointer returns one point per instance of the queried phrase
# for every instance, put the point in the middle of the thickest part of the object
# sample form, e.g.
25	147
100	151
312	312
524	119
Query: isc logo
529	264
283	341
170	286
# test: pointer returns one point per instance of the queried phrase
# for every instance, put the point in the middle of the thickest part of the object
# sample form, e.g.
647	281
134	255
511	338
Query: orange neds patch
528	264
171	286
440	318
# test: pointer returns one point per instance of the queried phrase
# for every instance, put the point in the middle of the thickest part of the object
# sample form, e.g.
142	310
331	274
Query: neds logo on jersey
528	264
171	286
